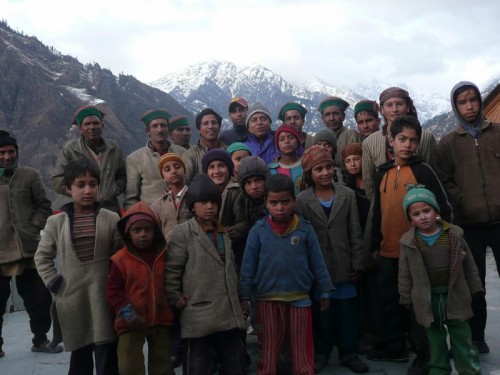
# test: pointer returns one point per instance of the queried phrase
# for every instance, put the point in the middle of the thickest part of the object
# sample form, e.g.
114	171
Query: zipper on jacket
483	178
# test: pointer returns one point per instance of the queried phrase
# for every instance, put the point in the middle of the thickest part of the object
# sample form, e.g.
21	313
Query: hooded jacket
470	167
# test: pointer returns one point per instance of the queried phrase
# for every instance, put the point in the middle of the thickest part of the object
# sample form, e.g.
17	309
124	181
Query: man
260	136
144	180
469	168
24	209
208	123
105	154
366	117
294	114
332	111
179	131
238	108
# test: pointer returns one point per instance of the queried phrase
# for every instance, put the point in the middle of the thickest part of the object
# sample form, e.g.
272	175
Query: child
288	162
83	236
438	279
238	151
201	281
388	225
282	260
332	211
136	291
366	117
327	139
171	207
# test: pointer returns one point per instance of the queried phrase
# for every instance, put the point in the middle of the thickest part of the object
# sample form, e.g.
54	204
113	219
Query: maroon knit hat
286	129
313	156
135	218
352	149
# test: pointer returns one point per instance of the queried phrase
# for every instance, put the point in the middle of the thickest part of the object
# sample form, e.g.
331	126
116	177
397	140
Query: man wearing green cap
144	181
332	111
179	131
294	115
105	154
366	117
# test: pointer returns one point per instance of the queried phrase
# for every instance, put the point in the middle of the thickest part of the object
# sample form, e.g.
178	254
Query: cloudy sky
429	45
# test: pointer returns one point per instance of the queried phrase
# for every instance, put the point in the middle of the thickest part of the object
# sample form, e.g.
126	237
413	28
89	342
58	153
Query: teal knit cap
238	146
418	193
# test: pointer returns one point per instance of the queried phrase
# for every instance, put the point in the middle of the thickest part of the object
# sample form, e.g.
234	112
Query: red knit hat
313	156
286	129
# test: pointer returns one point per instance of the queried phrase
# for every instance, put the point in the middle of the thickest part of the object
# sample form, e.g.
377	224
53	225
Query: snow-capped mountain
213	84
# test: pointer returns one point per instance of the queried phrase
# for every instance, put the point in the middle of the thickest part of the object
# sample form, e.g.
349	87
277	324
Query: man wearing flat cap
144	180
179	131
294	115
238	108
332	111
103	153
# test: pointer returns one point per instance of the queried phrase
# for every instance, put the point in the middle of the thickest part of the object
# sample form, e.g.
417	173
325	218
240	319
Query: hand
354	276
408	306
375	254
55	285
135	321
230	232
182	301
245	308
324	304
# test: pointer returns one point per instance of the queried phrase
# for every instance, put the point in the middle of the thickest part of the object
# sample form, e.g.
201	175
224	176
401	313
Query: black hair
406	121
279	183
464	89
207	111
80	168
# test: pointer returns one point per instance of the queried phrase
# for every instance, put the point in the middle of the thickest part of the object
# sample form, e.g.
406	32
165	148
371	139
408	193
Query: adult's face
367	123
294	119
91	129
8	156
157	131
237	115
333	117
259	125
468	105
209	128
181	136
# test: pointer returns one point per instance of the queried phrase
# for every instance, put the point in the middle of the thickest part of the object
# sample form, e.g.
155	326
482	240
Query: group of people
344	238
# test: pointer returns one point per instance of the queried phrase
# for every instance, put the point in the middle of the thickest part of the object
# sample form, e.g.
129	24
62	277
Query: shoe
47	347
319	365
419	366
388	355
481	346
176	360
355	364
2	353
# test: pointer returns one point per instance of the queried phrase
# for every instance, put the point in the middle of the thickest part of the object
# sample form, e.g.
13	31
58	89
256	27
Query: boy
366	117
438	279
388	225
83	236
201	281
282	260
136	291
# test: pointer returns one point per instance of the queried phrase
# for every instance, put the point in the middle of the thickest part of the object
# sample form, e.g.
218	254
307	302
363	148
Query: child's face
173	173
394	108
84	191
280	206
218	172
353	164
322	174
424	217
254	187
206	211
142	234
287	143
405	144
328	147
236	158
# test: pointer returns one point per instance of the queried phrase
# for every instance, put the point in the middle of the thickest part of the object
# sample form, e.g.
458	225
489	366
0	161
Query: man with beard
179	131
238	108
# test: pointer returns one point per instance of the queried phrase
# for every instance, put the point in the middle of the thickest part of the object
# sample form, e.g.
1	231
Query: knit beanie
177	122
257	108
154	114
313	156
135	218
170	156
352	149
327	135
217	154
286	129
393	92
238	146
86	110
7	140
418	193
289	107
370	106
333	101
202	189
251	166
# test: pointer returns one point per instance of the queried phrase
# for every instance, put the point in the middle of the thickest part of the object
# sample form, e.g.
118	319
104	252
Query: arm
175	264
57	177
133	188
355	235
369	170
41	205
445	170
46	253
317	263
405	282
189	162
428	148
470	271
250	263
240	228
115	289
376	237
121	173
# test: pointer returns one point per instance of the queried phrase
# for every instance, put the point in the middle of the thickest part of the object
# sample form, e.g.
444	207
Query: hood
142	208
466	125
